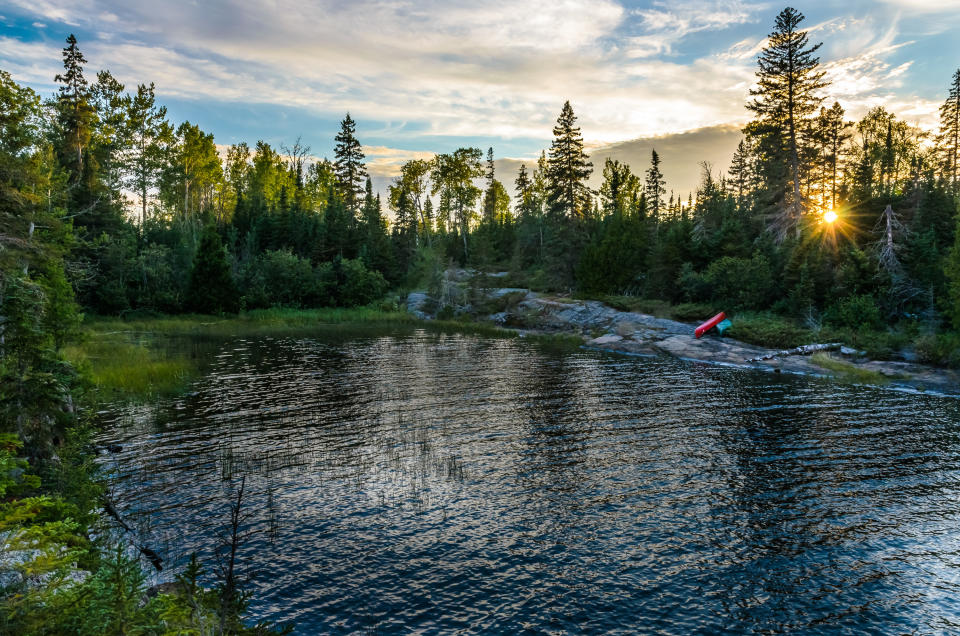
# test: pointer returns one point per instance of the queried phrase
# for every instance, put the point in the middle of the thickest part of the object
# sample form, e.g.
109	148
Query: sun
829	216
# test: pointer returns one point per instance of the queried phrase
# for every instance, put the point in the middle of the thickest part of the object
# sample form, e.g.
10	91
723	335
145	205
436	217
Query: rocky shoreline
604	328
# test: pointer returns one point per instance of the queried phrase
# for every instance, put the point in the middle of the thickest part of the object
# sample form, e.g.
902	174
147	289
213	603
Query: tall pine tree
656	187
348	164
787	93
949	137
568	169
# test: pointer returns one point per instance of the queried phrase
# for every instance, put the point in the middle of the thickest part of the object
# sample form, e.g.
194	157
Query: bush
741	283
693	287
855	312
767	330
693	312
939	349
348	283
287	280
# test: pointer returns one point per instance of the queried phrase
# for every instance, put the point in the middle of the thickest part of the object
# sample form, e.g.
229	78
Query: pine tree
211	289
619	189
348	163
376	250
949	137
740	169
568	169
523	187
74	111
834	133
148	132
110	139
788	82
490	195
656	187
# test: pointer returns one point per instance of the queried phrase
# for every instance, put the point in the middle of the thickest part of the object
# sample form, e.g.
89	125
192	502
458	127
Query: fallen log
802	350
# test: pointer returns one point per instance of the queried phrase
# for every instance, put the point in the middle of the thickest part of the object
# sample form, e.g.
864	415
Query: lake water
431	483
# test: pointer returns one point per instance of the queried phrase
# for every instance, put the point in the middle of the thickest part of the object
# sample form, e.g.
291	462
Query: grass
122	368
557	341
846	371
260	321
124	358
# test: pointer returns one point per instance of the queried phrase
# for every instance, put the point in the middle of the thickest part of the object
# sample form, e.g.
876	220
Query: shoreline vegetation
126	358
130	359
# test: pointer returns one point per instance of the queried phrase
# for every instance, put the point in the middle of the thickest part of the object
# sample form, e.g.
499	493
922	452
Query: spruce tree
490	195
148	132
949	137
568	169
656	187
787	93
348	164
523	187
834	132
739	182
211	289
75	114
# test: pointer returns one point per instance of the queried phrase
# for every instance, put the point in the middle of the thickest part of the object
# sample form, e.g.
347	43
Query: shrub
940	349
855	312
348	283
741	283
767	330
693	287
288	280
693	311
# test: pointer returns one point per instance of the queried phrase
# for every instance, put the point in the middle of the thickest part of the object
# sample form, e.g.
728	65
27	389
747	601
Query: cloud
383	161
436	70
665	24
924	6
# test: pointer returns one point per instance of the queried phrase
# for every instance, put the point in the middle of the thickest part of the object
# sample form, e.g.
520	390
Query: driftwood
803	350
152	556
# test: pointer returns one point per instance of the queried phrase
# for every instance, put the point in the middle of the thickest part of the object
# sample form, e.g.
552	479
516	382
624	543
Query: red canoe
710	324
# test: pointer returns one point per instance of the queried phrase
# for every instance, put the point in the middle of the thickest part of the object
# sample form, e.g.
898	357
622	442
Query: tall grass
126	358
257	321
122	368
846	371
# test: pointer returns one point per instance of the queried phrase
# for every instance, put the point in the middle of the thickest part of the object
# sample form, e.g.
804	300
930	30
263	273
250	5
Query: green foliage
856	312
280	278
614	260
939	349
846	371
740	283
349	283
211	289
768	330
113	599
696	312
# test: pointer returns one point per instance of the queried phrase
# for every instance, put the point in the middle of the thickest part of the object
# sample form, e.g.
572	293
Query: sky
427	77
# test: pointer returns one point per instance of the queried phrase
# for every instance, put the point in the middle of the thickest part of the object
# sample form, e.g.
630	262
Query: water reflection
441	483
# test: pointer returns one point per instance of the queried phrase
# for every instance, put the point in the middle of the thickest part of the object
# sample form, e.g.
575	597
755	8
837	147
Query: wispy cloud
383	161
667	23
461	69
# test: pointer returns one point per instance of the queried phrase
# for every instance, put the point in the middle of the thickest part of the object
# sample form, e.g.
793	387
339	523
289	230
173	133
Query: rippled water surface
445	483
